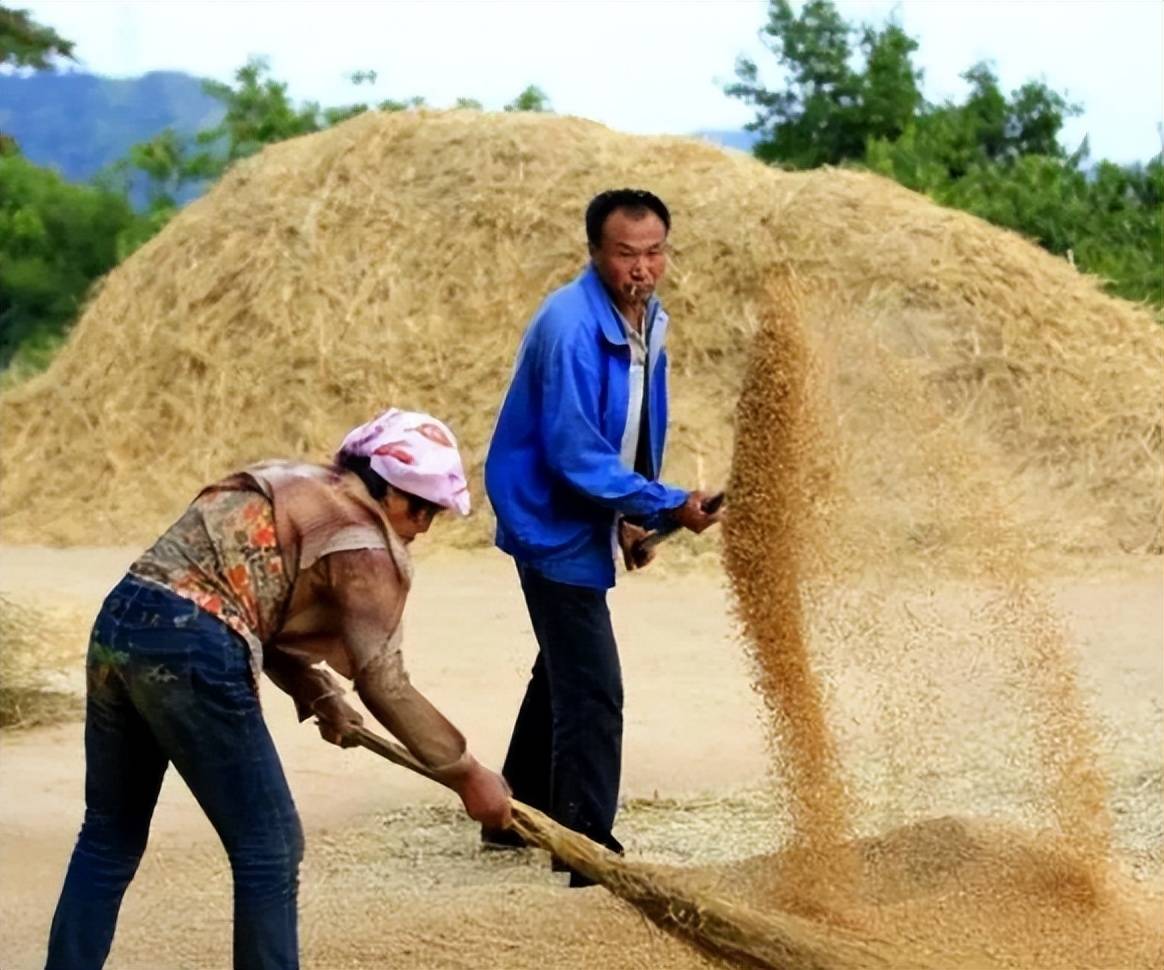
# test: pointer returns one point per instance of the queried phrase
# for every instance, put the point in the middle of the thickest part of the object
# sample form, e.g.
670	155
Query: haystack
396	258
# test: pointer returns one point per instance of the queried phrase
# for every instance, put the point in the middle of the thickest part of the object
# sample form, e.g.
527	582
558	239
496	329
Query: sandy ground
393	874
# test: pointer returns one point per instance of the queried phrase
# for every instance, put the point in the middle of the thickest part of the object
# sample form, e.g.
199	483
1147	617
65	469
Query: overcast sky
637	65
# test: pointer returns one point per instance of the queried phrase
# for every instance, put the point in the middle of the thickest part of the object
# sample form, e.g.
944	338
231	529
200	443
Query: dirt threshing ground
393	874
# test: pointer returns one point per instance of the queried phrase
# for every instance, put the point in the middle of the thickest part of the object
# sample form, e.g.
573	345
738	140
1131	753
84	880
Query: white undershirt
634	398
629	448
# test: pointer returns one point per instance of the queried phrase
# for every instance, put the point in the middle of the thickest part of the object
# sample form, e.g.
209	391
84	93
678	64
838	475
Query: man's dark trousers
565	755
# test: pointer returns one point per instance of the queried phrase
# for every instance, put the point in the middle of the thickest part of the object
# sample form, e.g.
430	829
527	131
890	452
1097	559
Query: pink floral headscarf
415	453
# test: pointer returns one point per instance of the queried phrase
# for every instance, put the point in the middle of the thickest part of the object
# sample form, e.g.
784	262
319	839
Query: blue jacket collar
608	320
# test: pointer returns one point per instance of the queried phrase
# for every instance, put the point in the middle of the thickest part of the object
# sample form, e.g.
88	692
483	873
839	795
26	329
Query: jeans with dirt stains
168	682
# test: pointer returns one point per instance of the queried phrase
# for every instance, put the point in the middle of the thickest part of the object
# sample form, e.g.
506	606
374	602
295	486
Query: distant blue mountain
79	123
740	139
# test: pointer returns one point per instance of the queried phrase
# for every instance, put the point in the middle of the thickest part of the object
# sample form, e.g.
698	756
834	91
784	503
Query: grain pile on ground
710	924
395	259
953	892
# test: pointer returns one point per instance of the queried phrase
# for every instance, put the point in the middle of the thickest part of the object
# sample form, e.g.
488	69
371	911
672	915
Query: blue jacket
553	471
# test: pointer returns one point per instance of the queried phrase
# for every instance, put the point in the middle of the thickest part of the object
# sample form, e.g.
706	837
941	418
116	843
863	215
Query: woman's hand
336	719
485	796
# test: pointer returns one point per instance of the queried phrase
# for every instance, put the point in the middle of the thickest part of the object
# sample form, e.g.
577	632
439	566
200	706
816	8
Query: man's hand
336	719
691	514
629	538
485	796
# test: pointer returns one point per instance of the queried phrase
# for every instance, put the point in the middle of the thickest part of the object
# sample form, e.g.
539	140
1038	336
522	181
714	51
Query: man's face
633	255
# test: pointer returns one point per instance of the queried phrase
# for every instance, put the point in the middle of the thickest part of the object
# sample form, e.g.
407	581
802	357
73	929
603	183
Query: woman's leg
215	735
123	773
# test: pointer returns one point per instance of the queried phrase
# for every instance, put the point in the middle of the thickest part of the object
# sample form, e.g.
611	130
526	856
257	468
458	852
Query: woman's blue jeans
170	683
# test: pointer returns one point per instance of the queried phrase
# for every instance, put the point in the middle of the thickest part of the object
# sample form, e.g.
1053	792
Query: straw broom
727	932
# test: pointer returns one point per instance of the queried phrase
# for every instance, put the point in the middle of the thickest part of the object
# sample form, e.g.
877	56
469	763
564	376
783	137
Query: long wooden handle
531	824
396	753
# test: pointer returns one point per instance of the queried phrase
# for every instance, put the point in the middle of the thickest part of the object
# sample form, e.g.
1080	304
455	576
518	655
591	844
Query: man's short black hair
636	201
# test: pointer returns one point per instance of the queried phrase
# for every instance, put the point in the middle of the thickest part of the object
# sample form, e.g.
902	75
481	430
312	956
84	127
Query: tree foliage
56	237
532	98
25	43
829	108
257	111
852	97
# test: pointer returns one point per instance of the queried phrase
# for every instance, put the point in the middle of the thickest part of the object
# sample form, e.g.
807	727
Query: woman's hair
378	487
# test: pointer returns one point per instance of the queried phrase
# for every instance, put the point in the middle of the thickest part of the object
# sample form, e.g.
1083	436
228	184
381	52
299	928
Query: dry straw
35	647
396	258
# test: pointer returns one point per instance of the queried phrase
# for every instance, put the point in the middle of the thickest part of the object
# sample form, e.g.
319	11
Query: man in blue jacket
574	466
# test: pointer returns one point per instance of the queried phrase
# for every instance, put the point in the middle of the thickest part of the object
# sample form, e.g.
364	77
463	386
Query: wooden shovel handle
529	826
396	753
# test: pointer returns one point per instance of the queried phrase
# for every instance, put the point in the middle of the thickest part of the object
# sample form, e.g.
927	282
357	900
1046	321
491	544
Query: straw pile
35	648
396	258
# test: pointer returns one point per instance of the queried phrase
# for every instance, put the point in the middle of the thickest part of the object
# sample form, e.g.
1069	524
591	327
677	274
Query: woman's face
406	523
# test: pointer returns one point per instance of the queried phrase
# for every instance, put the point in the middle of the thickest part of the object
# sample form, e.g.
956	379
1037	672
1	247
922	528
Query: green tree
55	239
258	112
163	161
946	142
1108	221
25	43
392	104
828	109
995	155
532	98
